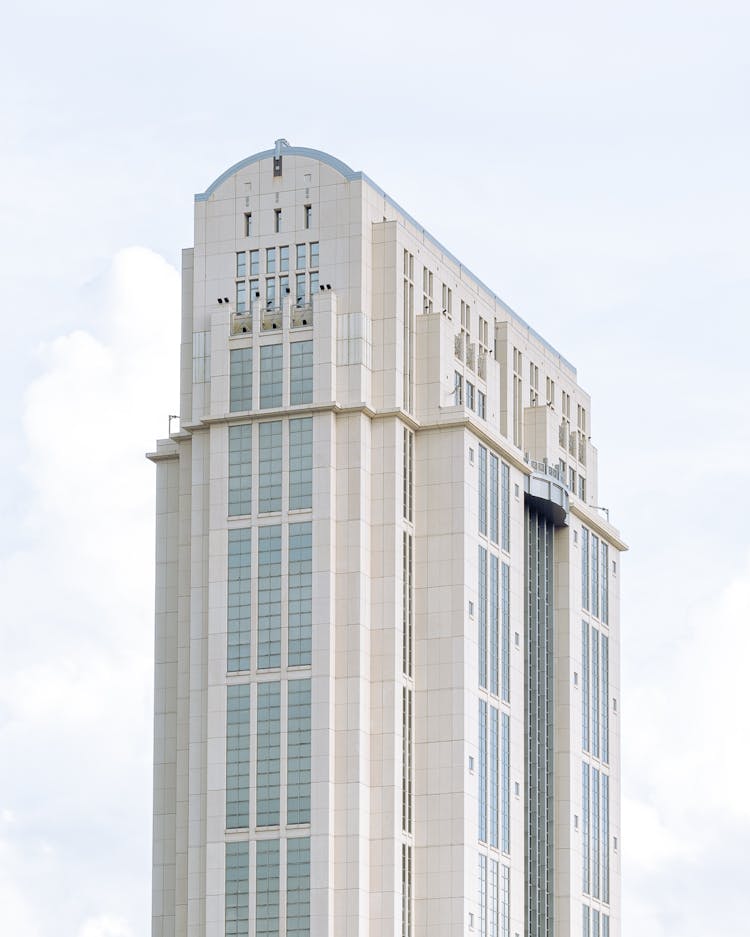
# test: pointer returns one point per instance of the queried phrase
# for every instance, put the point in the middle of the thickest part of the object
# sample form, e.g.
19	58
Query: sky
588	161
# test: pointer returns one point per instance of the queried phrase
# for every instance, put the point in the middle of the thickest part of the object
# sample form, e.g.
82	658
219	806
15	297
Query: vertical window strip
407	605
300	372
482	481
505	506
238	599
268	773
595	923
505	789
299	746
505	634
267	888
494	498
300	594
409	759
595	575
240	379
494	624
298	887
408	475
271	375
595	692
237	890
201	357
269	597
482	771
238	757
493	904
240	469
604	679
406	891
482	612
605	582
300	463
595	833
605	925
269	467
505	903
605	838
586	920
585	567
585	797
483	895
585	670
494	766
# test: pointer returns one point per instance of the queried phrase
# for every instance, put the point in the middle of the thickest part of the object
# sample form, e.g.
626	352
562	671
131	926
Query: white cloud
106	926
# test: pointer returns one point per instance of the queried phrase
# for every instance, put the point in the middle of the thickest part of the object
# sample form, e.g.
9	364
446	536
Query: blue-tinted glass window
271	375
300	372
269	467
300	594
240	379
269	596
238	756
300	463
268	768
266	888
299	742
238	599
240	469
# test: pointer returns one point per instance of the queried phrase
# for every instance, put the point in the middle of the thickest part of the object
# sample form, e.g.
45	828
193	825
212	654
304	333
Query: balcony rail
273	318
241	322
544	468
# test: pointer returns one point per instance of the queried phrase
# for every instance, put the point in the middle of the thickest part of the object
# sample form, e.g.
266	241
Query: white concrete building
387	629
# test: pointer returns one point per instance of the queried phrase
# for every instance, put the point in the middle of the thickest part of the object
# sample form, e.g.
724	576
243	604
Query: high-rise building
387	624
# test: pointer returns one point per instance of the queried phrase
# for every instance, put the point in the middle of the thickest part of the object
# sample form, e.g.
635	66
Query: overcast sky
587	160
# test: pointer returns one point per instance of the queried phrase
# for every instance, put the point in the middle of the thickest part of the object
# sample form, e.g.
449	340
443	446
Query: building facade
387	652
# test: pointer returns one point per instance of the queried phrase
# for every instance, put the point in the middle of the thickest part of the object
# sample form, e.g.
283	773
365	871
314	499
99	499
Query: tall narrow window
493	899
300	463
301	256
236	890
585	669
595	692
248	224
300	372
284	259
595	833
268	759
494	623
407	616
494	498
266	888
300	594
505	903
458	389
300	289
483	895
298	887
240	379
238	599
238	756
408	333
482	482
586	833
277	220
271	376
494	768
505	792
594	575
254	263
505	634
299	747
505	506
308	215
408	480
269	467
585	568
241	266
604	680
586	919
482	771
605	838
407	759
269	597
314	255
482	602
241	297
605	582
270	260
406	890
240	469
595	923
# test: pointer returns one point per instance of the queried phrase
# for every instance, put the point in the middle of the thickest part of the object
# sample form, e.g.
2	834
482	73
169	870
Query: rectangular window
240	469
408	474
594	923
301	256
269	467
270	260
300	594
505	505
241	297
277	220
469	395
238	757
505	764
269	597
406	891
481	405
482	603
268	768
458	389
270	292
595	575
298	887
505	904
300	372
483	896
300	289
298	749
505	634
605	925
271	376
585	669
494	624
284	259
266	888
240	379
407	758
494	498
241	268
595	692
482	771
254	294
201	357
283	288
254	263
482	482
238	599
407	615
595	833
604	680
300	463
314	284
605	582
494	793
586	831
237	890
314	255
585	568
308	215
493	902
586	921
248	228
605	838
